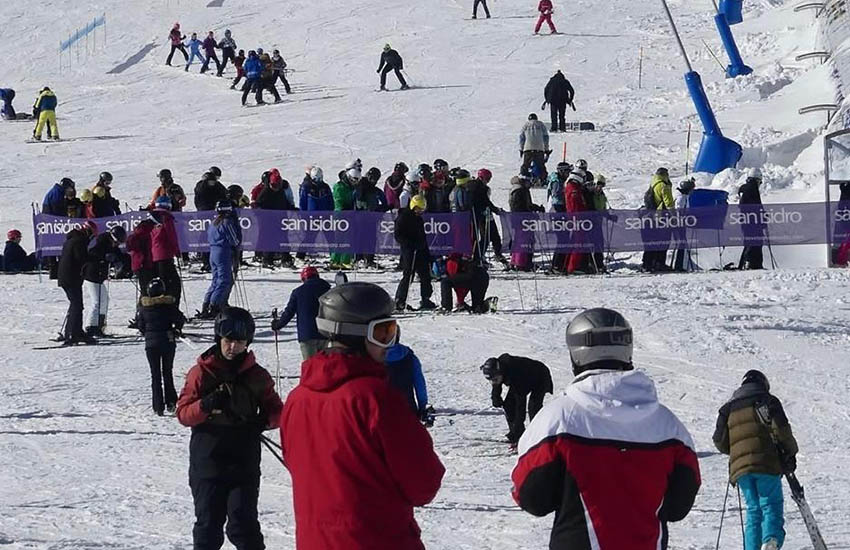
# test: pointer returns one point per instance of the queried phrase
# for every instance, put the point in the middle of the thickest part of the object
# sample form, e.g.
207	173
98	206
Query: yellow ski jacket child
44	110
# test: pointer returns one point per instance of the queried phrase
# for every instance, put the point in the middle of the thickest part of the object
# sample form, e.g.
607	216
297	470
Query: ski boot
427	305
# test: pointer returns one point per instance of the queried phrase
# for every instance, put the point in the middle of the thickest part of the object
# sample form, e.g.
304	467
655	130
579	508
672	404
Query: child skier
545	8
238	62
102	252
404	371
176	38
224	236
160	320
195	47
754	463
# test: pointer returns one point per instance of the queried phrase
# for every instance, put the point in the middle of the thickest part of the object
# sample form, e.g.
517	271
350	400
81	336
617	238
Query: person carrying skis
238	62
165	247
404	372
103	204
102	252
44	110
15	258
391	61
228	51
7	112
229	401
225	236
344	426
177	39
253	70
612	462
161	321
534	147
754	463
464	275
195	49
210	44
545	8
70	279
528	383
394	185
475	8
415	257
279	71
304	304
752	256
558	94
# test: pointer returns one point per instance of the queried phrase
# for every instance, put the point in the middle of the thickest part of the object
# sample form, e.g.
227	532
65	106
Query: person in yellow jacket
44	110
662	195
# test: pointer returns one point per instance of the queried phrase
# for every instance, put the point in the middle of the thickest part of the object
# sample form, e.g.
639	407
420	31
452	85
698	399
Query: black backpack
649	199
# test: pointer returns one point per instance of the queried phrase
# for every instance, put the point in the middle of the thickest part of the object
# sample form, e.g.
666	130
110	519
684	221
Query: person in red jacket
545	8
165	247
228	401
141	254
359	458
574	195
613	463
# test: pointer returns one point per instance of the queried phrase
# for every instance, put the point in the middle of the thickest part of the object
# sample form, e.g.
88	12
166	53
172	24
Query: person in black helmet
612	462
744	427
345	426
391	61
228	400
528	382
209	192
159	318
103	251
103	203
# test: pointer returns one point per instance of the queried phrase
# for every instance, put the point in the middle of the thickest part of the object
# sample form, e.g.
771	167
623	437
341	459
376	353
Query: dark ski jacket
520	199
73	258
749	193
270	198
54	202
102	250
15	258
405	373
304	303
479	198
225	443
844	187
392	60
158	319
106	206
558	90
410	232
741	434
368	198
208	195
523	376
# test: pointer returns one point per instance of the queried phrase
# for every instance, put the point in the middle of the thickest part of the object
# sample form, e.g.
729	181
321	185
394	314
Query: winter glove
277	324
378	71
216	400
789	465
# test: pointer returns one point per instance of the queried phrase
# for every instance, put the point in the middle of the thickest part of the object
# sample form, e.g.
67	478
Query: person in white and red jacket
612	462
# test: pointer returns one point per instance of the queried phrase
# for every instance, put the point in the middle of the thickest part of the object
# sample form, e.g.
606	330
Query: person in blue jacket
55	202
225	236
253	68
194	46
304	303
315	195
15	258
7	111
405	373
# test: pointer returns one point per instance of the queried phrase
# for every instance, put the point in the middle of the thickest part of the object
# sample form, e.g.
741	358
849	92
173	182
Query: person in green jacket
662	193
343	193
599	202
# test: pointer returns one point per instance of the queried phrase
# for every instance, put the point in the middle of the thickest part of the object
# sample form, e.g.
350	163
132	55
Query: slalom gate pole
564	156
741	514
276	349
722	515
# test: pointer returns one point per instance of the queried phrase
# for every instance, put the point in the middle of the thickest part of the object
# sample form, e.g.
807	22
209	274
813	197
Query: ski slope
84	463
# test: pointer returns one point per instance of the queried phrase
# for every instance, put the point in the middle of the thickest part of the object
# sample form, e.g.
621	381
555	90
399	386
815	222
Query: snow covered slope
85	465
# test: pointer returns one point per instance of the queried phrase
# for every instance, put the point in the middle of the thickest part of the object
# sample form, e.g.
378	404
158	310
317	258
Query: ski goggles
383	332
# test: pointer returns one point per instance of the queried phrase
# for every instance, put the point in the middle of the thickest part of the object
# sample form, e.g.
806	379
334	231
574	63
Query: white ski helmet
599	338
356	163
353	174
316	174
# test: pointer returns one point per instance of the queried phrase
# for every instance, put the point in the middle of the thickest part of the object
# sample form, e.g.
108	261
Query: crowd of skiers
260	70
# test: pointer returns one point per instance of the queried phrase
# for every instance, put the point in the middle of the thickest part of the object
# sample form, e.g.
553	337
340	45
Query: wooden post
640	68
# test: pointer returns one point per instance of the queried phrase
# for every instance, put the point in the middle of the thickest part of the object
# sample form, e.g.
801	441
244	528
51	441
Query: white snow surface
85	464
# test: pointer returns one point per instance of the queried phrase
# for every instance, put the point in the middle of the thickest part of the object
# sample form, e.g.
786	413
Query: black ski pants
413	261
250	85
282	76
205	67
174	48
477	281
558	113
230	500
74	318
226	53
167	271
475	8
515	407
267	84
161	362
752	257
386	71
536	157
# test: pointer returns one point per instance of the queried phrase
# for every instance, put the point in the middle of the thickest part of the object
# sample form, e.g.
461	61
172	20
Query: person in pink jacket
545	8
165	247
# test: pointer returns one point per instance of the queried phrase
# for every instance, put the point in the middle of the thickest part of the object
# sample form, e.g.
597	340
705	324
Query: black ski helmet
347	309
599	338
105	177
164	174
439	164
215	170
532	116
234	323
401	168
756	377
67	183
373	174
424	171
491	368
118	233
235	192
156	288
266	178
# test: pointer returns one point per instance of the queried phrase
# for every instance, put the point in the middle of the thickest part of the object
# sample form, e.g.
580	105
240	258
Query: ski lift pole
676	34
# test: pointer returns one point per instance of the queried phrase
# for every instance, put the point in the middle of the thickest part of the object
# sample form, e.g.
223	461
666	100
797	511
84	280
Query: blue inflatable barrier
716	152
736	64
732	10
699	198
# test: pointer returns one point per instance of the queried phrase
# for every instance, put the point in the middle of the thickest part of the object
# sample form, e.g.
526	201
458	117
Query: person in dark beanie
228	401
160	320
558	94
752	257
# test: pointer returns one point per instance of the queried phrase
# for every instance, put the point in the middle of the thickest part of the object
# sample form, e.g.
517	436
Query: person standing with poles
755	466
415	256
304	303
176	38
279	71
558	94
210	45
475	8
228	51
391	61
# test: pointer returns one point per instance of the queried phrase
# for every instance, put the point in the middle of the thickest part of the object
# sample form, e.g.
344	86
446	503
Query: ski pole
741	514
276	348
722	515
266	441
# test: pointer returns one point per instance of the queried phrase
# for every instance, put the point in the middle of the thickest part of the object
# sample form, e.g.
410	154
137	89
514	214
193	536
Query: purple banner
282	231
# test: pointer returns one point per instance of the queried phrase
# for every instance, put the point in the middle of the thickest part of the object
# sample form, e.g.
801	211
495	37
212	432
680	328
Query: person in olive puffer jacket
755	465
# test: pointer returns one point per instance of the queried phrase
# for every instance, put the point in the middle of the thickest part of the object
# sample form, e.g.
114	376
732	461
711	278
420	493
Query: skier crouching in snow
528	381
160	320
228	401
7	112
464	275
754	464
391	61
612	462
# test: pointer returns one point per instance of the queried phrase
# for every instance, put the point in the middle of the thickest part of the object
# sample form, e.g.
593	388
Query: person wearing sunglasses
228	400
359	458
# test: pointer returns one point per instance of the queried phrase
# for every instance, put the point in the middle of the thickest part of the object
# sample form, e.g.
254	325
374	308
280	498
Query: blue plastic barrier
736	64
716	152
732	10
